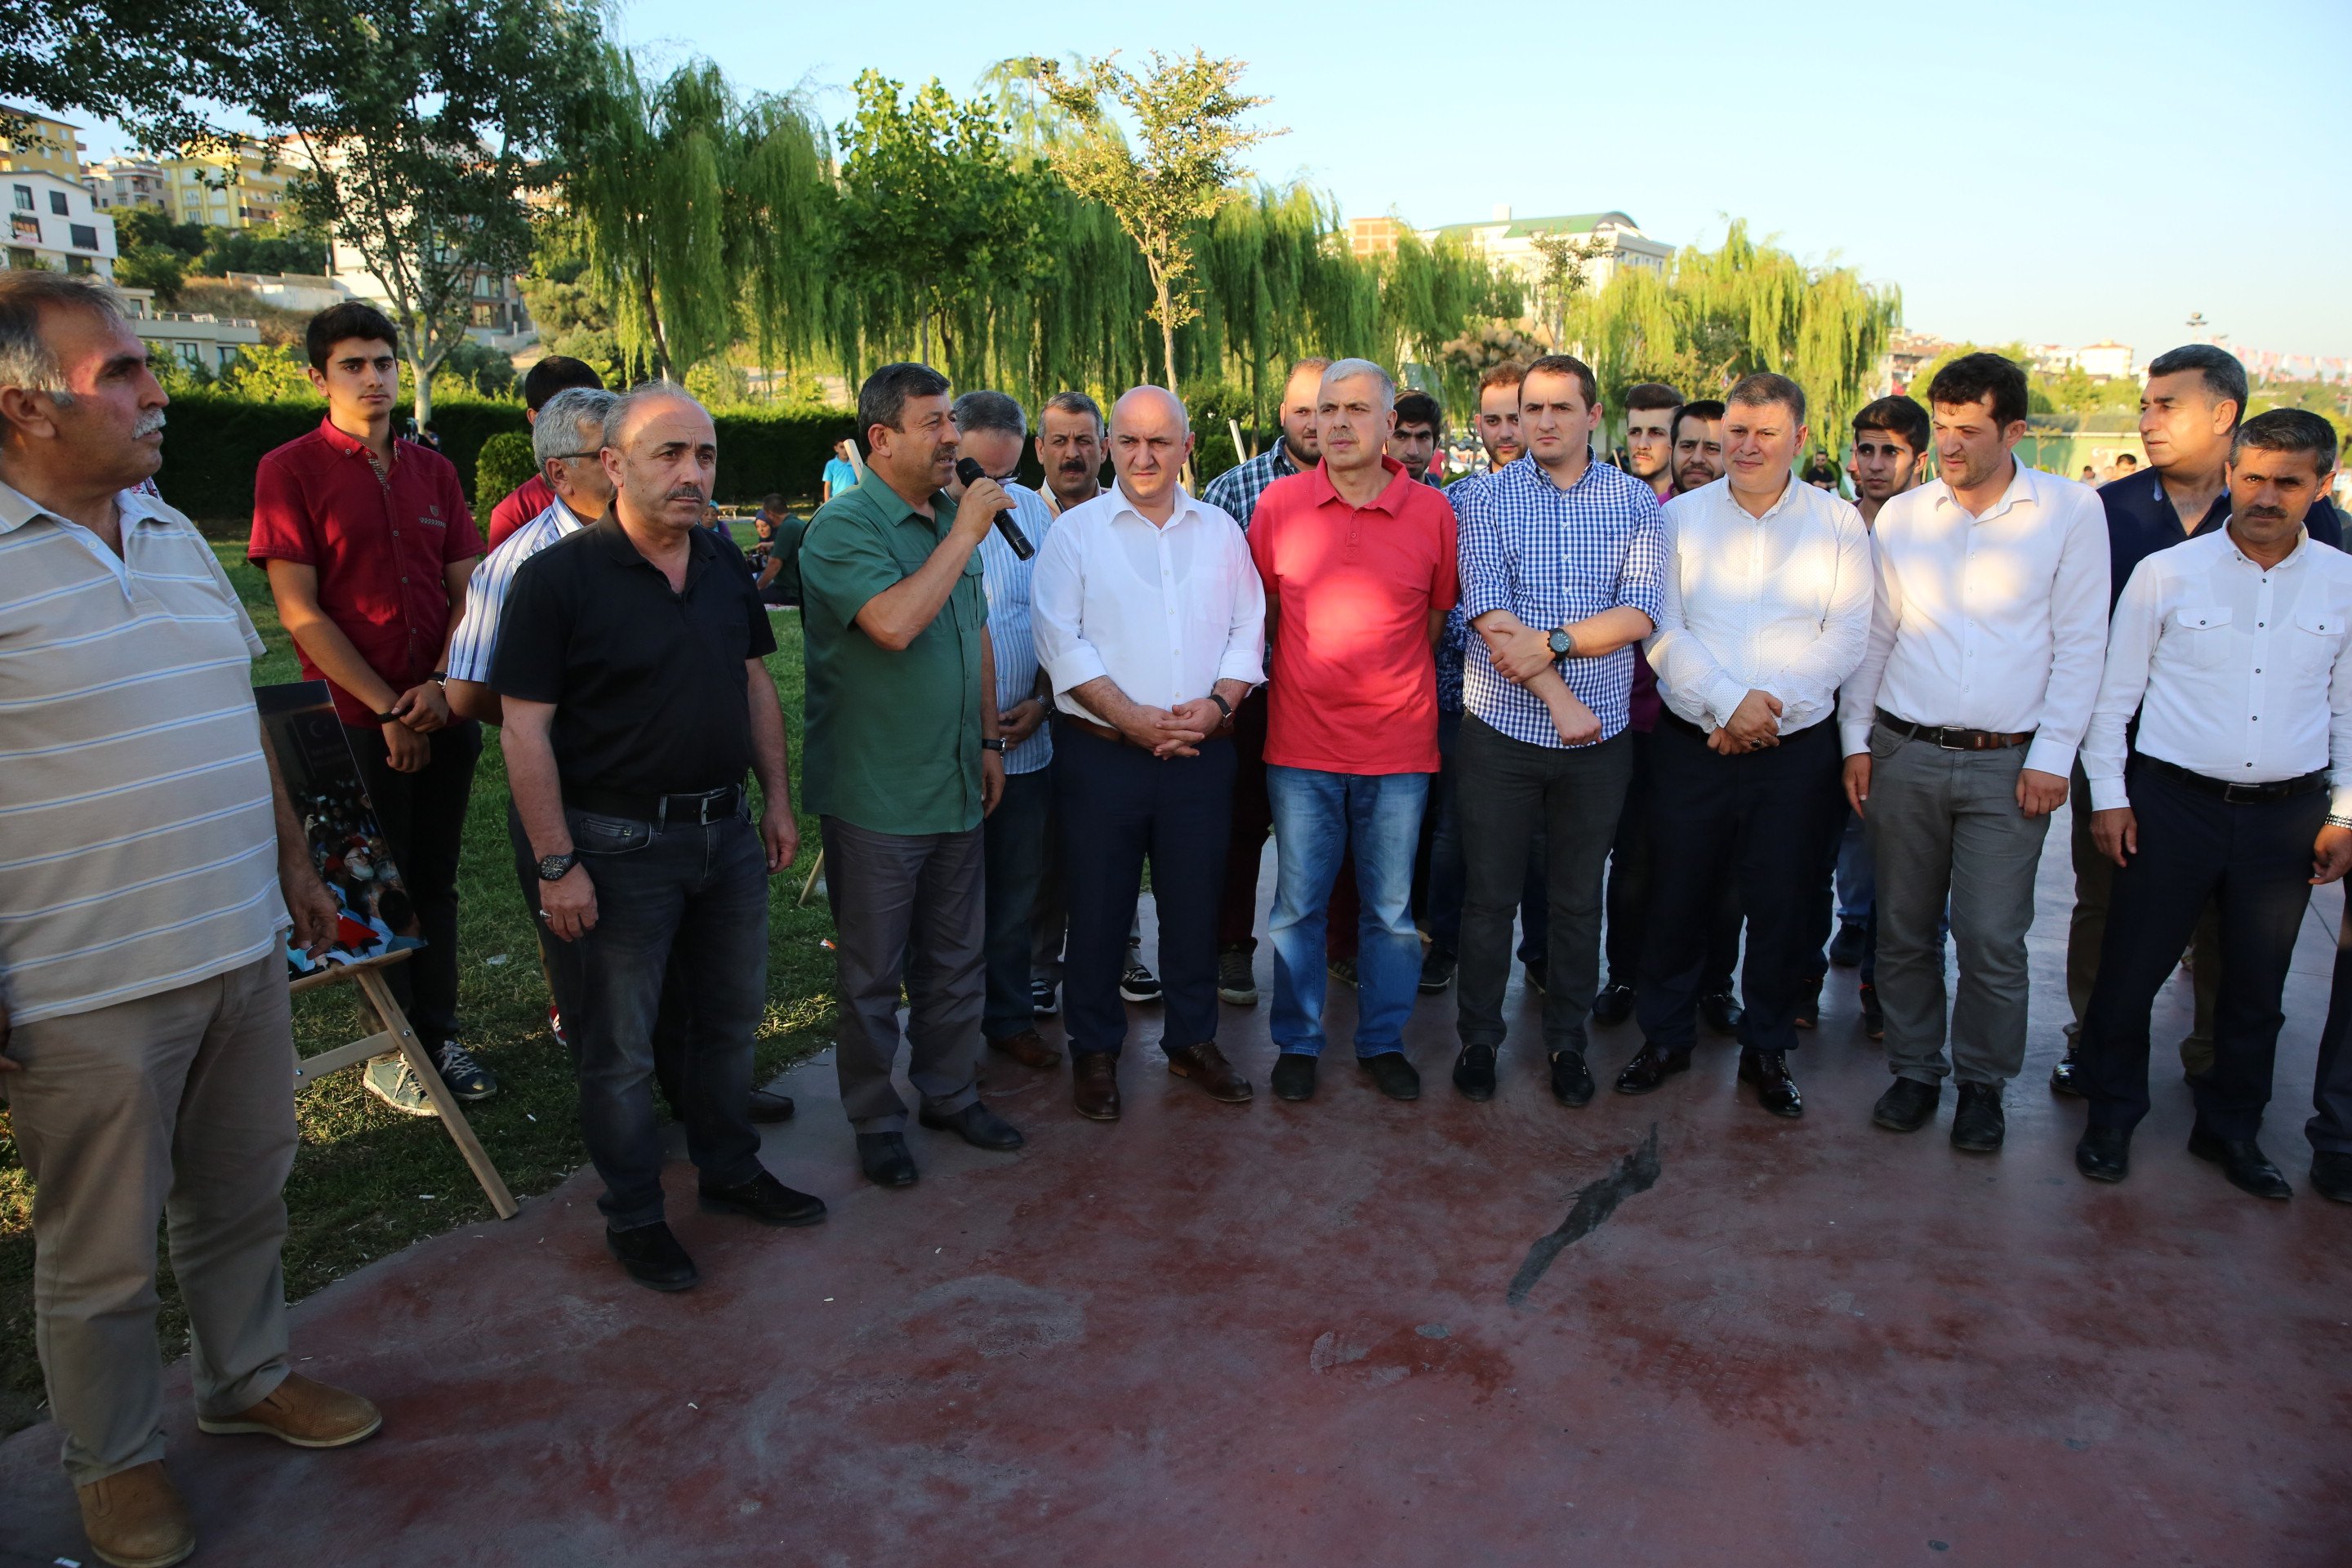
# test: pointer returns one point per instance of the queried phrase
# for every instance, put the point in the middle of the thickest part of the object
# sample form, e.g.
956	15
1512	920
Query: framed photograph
347	844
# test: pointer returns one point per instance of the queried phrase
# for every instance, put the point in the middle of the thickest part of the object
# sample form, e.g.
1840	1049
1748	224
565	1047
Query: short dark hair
2223	377
1698	408
1511	373
557	373
340	324
1420	408
883	399
2288	430
978	411
771	502
1972	378
1074	403
1566	364
1652	395
1761	388
2131	458
1319	364
1898	416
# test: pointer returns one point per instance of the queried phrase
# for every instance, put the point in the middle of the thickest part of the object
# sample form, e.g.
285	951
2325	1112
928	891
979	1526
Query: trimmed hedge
503	464
213	443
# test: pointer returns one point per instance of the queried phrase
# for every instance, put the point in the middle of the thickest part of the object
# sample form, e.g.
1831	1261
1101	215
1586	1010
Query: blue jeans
702	892
1013	838
1316	817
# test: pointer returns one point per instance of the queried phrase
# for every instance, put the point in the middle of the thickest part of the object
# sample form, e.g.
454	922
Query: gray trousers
907	907
1945	824
178	1105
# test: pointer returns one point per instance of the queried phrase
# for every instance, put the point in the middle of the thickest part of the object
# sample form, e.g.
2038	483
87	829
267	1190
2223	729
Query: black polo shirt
648	685
2141	520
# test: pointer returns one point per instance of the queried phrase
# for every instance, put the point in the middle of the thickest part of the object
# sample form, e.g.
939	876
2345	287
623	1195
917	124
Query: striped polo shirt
138	842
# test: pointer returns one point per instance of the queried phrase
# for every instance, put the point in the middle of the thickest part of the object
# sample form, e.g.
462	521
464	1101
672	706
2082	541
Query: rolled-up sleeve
1642	580
1057	592
1244	655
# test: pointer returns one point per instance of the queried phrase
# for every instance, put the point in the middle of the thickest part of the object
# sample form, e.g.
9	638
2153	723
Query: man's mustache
148	423
685	493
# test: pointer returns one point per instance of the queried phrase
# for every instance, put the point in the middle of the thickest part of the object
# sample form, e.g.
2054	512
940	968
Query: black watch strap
1224	706
555	868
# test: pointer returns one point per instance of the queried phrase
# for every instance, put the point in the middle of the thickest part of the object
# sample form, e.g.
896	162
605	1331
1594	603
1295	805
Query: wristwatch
387	717
994	743
555	868
1224	706
1563	643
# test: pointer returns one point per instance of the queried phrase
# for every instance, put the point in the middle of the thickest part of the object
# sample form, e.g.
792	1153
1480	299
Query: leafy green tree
1186	115
269	373
482	367
154	65
153	267
1566	272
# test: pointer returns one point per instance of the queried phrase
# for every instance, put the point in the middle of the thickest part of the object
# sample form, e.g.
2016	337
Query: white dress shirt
1778	604
1997	622
2238	672
1165	612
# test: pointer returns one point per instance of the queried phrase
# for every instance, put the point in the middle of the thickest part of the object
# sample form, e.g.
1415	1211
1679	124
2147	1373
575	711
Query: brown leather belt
1953	740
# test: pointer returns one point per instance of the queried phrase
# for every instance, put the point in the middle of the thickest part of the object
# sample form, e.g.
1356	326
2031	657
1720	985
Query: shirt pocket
2203	634
2317	638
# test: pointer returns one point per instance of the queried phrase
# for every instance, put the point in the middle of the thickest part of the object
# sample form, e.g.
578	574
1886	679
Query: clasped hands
1172	732
421	709
1753	725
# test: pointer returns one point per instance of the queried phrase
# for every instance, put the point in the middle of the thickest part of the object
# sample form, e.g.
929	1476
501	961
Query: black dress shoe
653	1256
1805	1010
1614	1005
1979	1126
1650	1068
1474	1072
1722	1012
2066	1078
2243	1161
2104	1155
1437	970
767	1105
1845	948
1776	1091
766	1199
2331	1176
978	1126
1571	1081
1873	1016
1294	1075
1907	1105
1392	1075
884	1158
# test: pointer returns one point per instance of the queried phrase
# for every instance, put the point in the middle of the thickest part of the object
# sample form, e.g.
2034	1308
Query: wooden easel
396	1035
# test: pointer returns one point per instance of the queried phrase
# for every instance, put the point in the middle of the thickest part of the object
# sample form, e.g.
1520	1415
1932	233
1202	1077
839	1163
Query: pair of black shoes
1391	1074
651	1253
2105	1155
1571	1081
887	1162
1776	1090
1978	1126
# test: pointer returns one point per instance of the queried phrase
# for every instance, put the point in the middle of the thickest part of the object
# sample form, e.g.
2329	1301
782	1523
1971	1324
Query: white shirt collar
2024	485
1120	506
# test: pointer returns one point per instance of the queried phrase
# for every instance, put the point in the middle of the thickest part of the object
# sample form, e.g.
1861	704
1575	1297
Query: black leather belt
1674	720
1953	740
697	810
2237	794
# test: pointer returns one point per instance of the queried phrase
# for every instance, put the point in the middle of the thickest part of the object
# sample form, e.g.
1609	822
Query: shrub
504	462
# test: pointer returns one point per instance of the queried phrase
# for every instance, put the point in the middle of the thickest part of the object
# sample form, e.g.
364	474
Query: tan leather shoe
1206	1066
306	1414
135	1518
1094	1084
1029	1048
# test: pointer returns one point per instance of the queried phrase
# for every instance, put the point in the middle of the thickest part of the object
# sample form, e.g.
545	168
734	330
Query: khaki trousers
180	1106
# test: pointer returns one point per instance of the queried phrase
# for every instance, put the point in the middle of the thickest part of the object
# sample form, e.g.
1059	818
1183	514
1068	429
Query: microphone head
969	470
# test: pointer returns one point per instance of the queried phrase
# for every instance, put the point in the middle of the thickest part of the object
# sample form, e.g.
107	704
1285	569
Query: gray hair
26	360
977	411
1349	369
573	416
1075	403
617	417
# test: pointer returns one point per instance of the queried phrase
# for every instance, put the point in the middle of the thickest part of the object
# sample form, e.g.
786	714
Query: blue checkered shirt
1237	489
1553	557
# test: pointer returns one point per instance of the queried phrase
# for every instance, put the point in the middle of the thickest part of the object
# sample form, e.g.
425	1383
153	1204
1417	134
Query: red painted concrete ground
1280	1335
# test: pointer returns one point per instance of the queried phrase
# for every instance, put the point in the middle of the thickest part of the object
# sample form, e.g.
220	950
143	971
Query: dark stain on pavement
1636	1171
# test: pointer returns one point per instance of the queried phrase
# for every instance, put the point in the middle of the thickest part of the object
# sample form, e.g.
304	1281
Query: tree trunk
1167	333
423	380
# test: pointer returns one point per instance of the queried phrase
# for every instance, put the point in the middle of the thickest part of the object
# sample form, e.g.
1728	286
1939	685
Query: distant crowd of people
1576	712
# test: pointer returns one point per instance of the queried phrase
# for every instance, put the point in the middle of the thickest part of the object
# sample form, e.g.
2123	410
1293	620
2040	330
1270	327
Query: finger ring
542	914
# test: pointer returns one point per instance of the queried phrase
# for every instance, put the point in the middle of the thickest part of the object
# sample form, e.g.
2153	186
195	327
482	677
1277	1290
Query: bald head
1151	404
1151	438
661	453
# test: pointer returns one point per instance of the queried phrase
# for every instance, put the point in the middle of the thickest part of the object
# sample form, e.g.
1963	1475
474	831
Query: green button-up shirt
893	742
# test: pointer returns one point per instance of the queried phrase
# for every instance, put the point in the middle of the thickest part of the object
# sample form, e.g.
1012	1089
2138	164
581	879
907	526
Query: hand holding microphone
969	470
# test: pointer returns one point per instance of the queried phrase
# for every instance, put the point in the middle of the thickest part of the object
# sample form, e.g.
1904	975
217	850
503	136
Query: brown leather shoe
1094	1084
1206	1066
306	1414
135	1518
1029	1048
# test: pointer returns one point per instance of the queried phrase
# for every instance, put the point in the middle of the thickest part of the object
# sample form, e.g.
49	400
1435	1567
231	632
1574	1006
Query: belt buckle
1944	738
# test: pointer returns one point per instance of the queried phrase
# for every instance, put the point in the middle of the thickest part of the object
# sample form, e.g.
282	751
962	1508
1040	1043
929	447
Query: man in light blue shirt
840	473
991	429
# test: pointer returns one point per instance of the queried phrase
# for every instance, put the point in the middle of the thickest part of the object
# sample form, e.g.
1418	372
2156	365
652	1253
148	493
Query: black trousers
423	815
2255	860
1116	805
2330	1127
1629	890
1764	815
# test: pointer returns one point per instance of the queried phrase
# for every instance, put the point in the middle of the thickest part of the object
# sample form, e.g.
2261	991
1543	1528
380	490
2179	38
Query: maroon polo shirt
381	546
525	502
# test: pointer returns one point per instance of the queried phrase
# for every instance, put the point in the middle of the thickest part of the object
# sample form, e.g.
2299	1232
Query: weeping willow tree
698	213
1741	307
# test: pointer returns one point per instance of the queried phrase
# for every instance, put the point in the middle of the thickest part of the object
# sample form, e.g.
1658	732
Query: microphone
969	470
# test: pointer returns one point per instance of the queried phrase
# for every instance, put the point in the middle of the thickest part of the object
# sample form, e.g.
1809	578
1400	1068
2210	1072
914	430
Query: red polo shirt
380	545
1353	687
525	502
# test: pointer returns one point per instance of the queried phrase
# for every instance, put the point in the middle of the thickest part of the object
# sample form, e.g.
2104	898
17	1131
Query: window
84	235
26	227
484	315
78	264
21	259
24	198
58	202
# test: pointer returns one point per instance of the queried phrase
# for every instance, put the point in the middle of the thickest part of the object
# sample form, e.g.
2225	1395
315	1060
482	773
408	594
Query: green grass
358	1189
